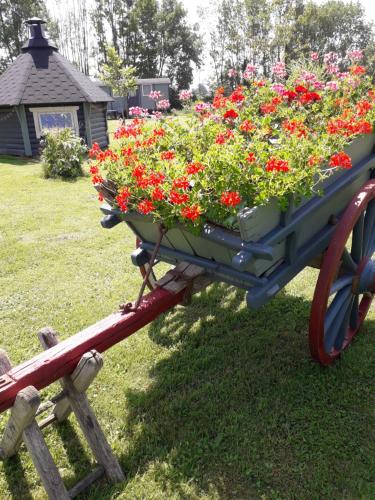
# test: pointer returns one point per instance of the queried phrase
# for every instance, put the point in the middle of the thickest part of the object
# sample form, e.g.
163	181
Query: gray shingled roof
43	76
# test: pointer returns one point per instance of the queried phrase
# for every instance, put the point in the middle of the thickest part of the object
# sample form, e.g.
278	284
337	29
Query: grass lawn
210	401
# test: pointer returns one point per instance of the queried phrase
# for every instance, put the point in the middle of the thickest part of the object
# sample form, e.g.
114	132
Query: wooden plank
44	463
22	415
61	360
86	481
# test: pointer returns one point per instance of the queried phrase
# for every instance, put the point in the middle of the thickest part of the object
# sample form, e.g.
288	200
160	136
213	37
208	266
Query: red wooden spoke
333	325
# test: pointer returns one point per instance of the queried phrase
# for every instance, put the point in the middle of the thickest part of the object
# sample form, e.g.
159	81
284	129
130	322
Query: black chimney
37	39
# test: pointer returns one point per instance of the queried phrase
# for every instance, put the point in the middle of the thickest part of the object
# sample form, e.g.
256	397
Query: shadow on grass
239	407
17	160
15	476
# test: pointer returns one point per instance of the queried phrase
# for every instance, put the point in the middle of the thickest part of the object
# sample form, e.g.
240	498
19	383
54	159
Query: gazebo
42	90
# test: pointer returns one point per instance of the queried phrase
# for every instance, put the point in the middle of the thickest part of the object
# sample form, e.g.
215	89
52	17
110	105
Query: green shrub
62	154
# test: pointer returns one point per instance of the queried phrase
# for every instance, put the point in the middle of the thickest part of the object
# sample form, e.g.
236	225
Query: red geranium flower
159	132
139	171
277	165
290	95
194	168
300	89
230	198
363	107
178	198
357	70
295	127
94	150
237	95
181	183
251	158
308	97
122	199
167	155
247	126
157	194
145	207
192	212
340	159
231	114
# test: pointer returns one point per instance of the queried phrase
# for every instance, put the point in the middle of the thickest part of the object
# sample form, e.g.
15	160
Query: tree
333	26
120	78
73	34
151	35
13	32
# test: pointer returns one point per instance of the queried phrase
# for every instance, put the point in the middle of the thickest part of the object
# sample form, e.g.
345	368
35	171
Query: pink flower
202	107
249	72
157	115
278	88
278	69
185	95
354	55
307	76
314	56
330	58
137	111
332	85
155	95
163	104
251	68
319	85
343	75
232	73
332	69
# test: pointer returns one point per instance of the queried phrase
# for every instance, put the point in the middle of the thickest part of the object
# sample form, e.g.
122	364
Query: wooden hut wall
98	124
11	141
35	142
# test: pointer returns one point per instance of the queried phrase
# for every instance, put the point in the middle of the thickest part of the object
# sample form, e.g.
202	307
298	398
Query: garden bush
62	154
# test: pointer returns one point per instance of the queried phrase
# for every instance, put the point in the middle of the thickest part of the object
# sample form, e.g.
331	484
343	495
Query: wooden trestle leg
22	424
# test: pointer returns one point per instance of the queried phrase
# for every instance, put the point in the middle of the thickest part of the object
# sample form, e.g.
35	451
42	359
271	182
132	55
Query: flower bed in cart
263	148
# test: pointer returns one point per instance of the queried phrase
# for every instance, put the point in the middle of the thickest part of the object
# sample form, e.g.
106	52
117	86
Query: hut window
55	118
146	89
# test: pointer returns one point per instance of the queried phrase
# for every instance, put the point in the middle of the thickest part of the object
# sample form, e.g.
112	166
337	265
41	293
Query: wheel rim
346	282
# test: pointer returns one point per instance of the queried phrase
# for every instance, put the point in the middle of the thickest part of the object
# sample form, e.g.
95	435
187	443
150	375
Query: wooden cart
334	232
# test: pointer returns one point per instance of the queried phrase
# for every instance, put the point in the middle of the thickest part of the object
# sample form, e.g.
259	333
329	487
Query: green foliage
121	79
264	141
151	35
63	154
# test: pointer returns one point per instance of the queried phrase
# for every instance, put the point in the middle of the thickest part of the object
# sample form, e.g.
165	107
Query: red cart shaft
61	360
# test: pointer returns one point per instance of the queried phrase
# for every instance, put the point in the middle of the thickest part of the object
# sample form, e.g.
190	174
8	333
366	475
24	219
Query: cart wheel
346	283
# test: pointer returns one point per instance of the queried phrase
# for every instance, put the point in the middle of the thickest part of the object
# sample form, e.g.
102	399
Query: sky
194	16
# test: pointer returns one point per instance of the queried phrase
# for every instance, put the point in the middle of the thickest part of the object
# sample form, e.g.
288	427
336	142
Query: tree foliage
13	32
151	35
261	33
122	79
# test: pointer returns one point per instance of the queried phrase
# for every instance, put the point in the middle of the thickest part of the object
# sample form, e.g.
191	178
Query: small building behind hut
140	97
41	90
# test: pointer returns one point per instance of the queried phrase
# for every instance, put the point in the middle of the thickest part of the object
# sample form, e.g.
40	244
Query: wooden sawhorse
22	424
